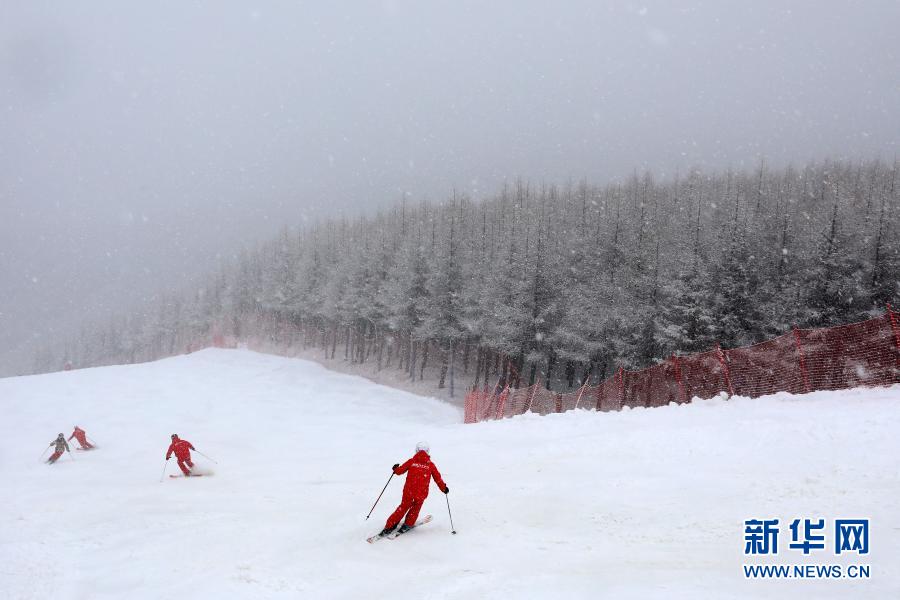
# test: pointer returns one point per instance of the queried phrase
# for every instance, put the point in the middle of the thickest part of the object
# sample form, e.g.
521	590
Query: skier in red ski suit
419	471
80	435
182	449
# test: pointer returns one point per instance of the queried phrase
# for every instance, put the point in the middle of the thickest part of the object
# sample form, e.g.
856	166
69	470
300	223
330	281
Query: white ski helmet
422	447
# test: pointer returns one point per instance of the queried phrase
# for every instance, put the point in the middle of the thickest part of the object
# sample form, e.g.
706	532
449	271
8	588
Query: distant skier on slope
182	449
81	435
420	471
61	446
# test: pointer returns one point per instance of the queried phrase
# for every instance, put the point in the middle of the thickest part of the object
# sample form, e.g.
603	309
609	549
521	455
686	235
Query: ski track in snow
638	504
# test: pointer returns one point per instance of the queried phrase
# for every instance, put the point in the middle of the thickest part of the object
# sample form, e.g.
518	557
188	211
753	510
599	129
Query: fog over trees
142	145
552	282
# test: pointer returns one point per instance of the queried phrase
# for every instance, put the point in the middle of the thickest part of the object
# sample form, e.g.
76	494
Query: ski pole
91	440
69	452
43	453
452	529
165	464
379	495
204	456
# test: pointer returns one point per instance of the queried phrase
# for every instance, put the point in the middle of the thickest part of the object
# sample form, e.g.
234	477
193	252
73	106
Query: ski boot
385	531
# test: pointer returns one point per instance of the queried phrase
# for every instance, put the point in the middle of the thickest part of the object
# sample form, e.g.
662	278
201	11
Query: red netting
544	401
485	406
568	400
655	386
702	375
517	403
470	407
851	355
866	353
766	368
608	395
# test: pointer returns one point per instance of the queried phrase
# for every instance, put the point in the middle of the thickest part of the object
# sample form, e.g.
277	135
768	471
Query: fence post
895	327
679	379
491	398
580	392
621	380
501	401
724	363
802	358
537	384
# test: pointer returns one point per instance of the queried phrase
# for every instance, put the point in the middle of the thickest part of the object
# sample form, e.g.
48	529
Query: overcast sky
140	140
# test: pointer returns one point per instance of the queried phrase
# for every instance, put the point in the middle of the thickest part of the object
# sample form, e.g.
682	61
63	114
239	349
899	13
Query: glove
168	457
446	490
394	468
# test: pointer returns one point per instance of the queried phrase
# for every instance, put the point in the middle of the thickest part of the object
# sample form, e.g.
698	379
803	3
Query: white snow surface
638	504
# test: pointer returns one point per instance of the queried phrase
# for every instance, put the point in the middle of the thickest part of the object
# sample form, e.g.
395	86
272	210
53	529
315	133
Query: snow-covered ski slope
638	504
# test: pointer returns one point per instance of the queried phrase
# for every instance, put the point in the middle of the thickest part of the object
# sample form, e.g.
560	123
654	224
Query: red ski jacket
421	470
181	448
78	433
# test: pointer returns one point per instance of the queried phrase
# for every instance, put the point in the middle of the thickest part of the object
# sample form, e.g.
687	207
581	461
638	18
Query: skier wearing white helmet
420	470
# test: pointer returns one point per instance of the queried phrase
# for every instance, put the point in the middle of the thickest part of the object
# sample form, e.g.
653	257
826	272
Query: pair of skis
397	533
